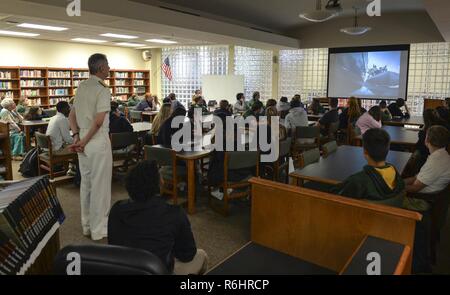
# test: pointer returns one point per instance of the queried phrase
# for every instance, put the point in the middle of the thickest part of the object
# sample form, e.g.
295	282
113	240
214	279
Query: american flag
166	69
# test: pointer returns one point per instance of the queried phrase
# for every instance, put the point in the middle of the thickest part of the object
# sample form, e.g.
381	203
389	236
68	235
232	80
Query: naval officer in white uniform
89	122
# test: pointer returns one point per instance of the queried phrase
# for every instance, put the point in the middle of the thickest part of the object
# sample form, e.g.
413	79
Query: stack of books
29	214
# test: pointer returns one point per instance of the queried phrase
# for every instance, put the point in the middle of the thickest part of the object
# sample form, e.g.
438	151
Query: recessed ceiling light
111	35
88	40
130	44
162	41
42	27
22	34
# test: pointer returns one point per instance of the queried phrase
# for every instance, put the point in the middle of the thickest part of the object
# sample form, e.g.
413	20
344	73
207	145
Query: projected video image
369	73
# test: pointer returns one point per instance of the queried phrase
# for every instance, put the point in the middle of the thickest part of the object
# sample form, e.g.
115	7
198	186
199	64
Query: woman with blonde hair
163	115
17	138
156	103
351	113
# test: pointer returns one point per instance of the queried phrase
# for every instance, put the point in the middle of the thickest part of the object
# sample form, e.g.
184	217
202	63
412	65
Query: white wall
41	53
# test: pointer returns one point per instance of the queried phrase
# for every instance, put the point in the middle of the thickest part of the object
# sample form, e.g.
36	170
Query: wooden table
150	114
399	135
141	126
413	121
190	158
26	126
346	161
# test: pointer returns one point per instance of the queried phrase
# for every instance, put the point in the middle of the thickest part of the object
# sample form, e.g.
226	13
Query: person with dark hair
315	107
89	122
447	103
172	98
433	177
430	118
379	180
197	93
255	98
385	113
33	114
198	103
444	114
166	131
256	110
147	104
240	106
145	221
297	116
283	105
369	120
59	130
330	117
395	109
117	122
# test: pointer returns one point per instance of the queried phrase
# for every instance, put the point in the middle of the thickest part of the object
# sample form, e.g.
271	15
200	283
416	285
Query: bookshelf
45	87
5	152
30	215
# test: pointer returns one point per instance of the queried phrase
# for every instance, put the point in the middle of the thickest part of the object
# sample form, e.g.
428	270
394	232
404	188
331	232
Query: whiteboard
218	87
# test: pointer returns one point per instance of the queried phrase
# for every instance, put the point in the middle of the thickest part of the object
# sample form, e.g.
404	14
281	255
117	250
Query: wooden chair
47	158
135	116
304	138
236	161
170	173
276	169
329	147
332	133
124	147
309	157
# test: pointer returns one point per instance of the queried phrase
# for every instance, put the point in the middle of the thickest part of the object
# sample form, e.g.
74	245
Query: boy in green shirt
378	181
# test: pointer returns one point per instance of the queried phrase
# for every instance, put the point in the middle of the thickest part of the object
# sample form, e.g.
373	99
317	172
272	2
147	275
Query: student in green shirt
379	181
385	114
255	98
133	101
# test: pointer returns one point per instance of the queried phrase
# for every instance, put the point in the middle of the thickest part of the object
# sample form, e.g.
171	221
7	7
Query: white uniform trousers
95	191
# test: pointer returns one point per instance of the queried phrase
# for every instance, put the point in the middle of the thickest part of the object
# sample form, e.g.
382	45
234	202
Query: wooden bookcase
46	86
5	152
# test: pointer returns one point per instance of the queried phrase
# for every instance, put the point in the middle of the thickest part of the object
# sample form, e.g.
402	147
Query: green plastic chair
329	147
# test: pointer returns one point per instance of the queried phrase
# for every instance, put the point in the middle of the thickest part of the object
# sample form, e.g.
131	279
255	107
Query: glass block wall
188	64
429	74
303	72
256	66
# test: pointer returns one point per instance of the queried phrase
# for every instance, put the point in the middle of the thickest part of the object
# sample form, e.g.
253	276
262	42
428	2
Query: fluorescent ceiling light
162	41
111	35
22	34
41	27
88	40
130	44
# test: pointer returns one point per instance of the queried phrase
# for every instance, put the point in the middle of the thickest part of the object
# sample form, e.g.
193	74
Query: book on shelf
7	94
64	91
5	75
60	83
59	74
30	92
34	102
121	75
139	89
6	85
32	83
54	101
31	73
28	210
81	74
139	75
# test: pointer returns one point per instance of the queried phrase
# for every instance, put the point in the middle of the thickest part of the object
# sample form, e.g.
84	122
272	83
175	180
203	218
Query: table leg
191	186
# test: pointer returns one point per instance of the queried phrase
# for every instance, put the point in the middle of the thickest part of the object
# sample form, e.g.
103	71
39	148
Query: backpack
29	165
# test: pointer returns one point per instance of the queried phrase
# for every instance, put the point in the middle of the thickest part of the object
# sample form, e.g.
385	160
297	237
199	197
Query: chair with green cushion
305	138
135	116
48	159
309	157
329	147
123	147
238	169
170	173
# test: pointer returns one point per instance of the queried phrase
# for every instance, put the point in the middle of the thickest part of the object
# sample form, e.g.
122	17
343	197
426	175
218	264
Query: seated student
146	221
166	131
283	105
22	105
444	114
315	107
256	110
240	106
133	100
269	103
395	110
297	116
433	177
369	120
379	180
198	103
447	103
350	114
117	122
16	136
163	115
59	130
385	113
175	103
255	98
197	93
33	114
146	104
330	117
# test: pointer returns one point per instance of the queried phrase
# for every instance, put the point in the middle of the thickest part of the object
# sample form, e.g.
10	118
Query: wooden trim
353	255
313	178
401	268
229	256
341	200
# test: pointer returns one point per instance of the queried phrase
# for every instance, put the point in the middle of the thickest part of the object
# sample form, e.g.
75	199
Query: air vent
180	11
261	30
